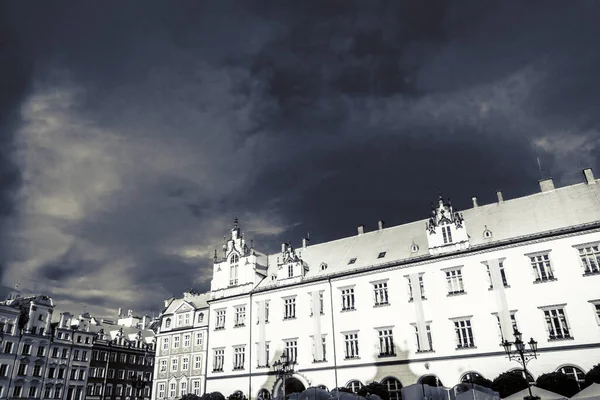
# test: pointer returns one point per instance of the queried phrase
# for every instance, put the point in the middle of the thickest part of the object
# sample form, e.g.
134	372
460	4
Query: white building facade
425	301
181	343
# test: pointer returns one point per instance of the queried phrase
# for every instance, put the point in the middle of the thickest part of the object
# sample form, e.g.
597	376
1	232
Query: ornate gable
446	229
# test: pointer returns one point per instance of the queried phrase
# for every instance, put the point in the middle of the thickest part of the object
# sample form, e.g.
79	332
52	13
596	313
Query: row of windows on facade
96	390
98	372
78	338
541	265
183	389
185	364
123	358
555	318
183	319
76	373
187	337
55	392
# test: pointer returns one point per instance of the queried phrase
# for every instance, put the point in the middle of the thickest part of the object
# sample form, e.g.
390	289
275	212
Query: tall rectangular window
174	365
161	390
163	367
502	274
464	334
323	344
240	316
348	299
165	346
239	357
172	389
351	345
233	270
266	311
380	291
454	281
182	388
321	304
220	322
556	322
513	320
218	360
185	363
198	338
386	342
429	345
186	340
176	342
410	289
289	311
542	267
447	234
196	387
197	362
291	349
290	270
589	257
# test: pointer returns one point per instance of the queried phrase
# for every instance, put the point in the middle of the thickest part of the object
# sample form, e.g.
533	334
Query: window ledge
592	273
220	328
544	280
453	294
466	348
321	313
386	355
348	309
352	358
318	361
425	351
217	370
505	287
377	305
262	366
560	339
239	325
238	368
289	318
412	300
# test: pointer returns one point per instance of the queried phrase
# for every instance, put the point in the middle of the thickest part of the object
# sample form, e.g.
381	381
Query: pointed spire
215	255
236	224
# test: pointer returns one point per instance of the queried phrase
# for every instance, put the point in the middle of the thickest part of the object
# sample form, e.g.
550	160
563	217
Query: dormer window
447	234
352	261
168	323
233	270
381	255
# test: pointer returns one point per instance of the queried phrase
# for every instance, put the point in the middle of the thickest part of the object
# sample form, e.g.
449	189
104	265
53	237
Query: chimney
361	229
304	242
589	176
380	225
500	198
546	185
144	321
475	205
120	312
283	248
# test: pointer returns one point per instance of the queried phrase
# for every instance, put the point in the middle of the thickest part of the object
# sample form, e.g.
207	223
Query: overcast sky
132	133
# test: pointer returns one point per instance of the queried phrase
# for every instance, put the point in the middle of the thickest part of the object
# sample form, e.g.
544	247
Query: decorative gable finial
236	224
443	214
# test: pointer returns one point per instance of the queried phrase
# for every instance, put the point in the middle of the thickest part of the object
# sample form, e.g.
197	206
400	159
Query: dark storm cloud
149	126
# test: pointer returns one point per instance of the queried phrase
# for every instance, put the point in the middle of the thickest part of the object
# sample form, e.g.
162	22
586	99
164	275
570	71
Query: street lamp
283	368
138	384
522	355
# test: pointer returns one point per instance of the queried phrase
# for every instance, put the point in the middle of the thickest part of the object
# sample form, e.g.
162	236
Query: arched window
430	380
263	394
354	385
168	323
394	388
575	373
233	270
200	317
470	376
529	377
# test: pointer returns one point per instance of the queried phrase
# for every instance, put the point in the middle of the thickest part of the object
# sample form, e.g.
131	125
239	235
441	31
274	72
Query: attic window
352	261
323	267
381	255
414	248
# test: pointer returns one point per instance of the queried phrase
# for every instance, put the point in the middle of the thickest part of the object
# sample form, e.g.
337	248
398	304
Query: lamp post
522	355
284	367
138	384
